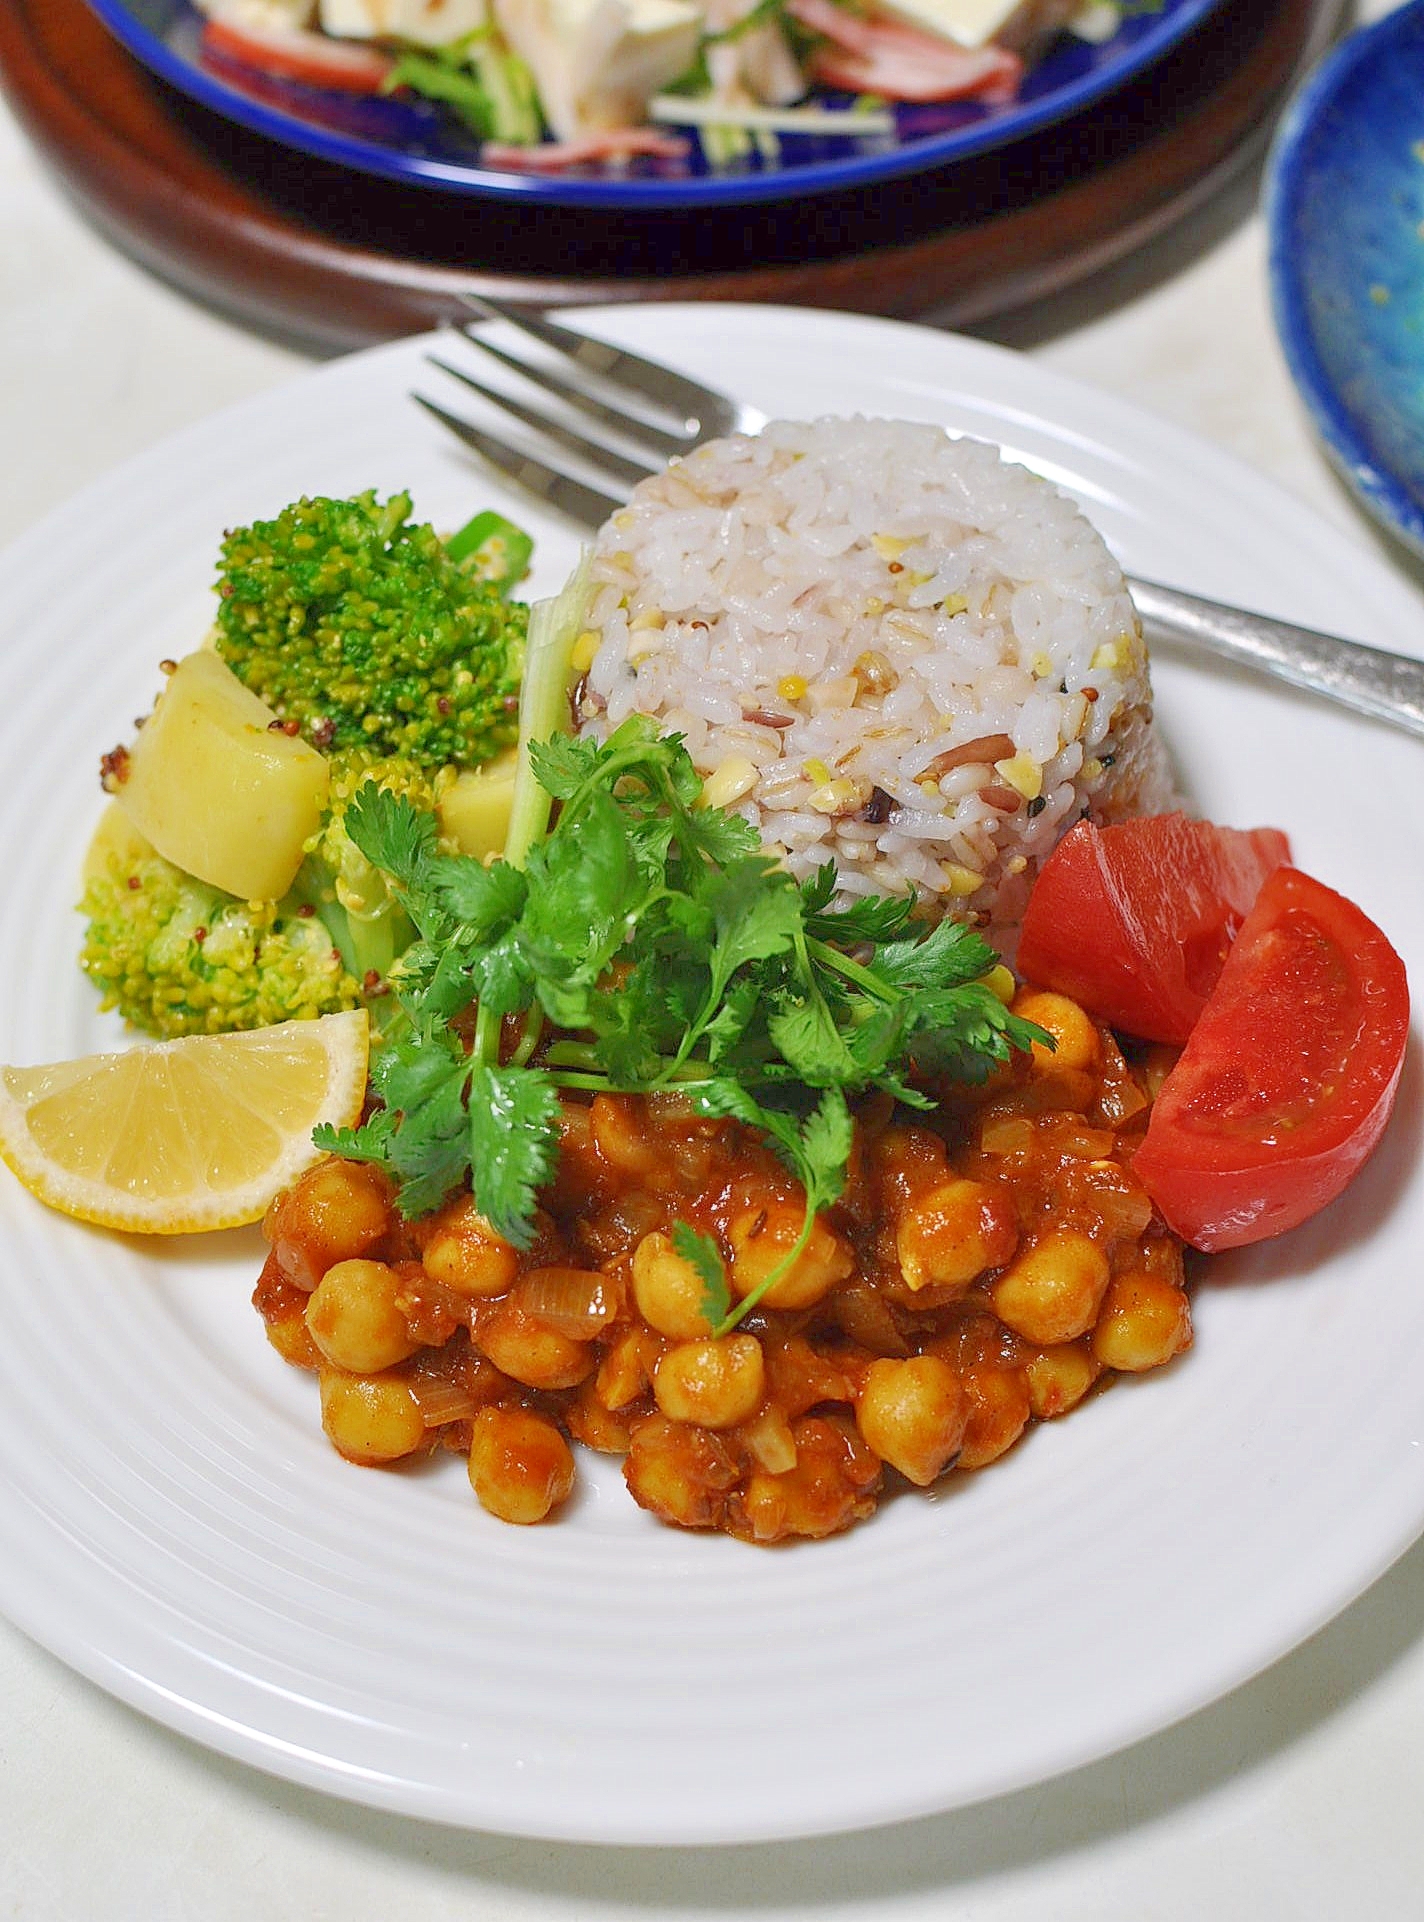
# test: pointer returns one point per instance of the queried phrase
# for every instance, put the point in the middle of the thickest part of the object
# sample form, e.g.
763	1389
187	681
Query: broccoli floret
399	658
353	621
175	956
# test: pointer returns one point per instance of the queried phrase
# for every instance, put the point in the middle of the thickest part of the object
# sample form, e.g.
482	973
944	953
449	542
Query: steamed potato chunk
217	788
474	809
115	840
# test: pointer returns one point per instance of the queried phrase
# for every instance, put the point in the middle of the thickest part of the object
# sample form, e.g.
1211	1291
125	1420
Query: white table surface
1296	1797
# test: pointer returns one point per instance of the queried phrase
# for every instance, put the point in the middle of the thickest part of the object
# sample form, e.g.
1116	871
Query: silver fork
624	416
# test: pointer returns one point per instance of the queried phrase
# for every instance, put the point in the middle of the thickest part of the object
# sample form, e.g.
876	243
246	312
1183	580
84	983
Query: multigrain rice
887	647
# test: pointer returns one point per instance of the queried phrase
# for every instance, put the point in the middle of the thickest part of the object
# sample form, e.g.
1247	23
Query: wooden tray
341	259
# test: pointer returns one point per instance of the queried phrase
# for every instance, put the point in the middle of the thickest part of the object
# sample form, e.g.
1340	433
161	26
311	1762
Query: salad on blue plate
547	85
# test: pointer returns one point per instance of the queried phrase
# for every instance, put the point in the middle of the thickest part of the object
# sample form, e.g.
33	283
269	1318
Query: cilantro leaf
499	975
648	942
810	1040
808	1144
368	1142
732	1020
719	836
702	1253
563	764
757	914
825	1149
876	1044
581	893
636	1023
484	900
422	1082
819	890
513	1145
948	956
729	1100
963	1032
393	834
873	918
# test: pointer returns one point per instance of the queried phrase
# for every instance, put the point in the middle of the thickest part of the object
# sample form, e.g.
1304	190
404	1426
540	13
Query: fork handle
1390	687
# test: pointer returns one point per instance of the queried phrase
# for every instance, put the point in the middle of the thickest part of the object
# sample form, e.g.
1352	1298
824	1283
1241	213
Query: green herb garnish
649	943
489	88
702	1252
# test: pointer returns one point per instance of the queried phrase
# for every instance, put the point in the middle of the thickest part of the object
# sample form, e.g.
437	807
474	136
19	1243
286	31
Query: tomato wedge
294	53
1134	921
1290	1074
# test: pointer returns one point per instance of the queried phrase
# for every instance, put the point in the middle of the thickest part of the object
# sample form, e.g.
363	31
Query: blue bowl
1345	214
417	144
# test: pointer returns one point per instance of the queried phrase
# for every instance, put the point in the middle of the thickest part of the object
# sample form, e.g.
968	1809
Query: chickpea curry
986	1263
787	1202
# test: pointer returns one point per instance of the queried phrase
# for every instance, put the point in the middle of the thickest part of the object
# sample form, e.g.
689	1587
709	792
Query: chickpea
464	1254
282	1306
668	1289
622	1139
1075	1038
290	1336
521	1468
370	1418
998	1414
1144	1322
715	1384
832	1485
336	1210
1058	1378
526	1348
353	1318
682	1475
597	1427
1052	1291
626	1370
763	1234
952	1233
912	1413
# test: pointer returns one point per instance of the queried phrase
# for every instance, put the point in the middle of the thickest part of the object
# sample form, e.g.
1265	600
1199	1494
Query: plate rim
1394	505
636	192
961	357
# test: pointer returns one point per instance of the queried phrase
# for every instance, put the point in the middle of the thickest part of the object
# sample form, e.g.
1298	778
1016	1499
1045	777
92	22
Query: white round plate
174	1525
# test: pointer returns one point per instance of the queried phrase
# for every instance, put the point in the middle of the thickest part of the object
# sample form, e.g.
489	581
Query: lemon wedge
180	1136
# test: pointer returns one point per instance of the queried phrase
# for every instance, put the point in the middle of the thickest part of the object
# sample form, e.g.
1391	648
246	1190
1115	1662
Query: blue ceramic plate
1345	210
424	146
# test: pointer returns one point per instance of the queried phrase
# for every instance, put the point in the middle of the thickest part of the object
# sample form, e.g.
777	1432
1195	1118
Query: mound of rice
887	647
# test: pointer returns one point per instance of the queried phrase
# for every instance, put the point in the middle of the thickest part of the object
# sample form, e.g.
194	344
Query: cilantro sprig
649	943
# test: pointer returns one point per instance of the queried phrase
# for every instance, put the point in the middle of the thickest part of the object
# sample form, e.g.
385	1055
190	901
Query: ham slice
901	62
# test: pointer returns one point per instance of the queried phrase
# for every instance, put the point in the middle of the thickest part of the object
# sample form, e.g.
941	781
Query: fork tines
562	490
593	401
600	453
692	410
